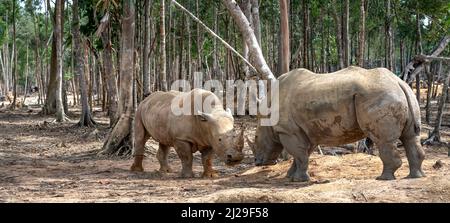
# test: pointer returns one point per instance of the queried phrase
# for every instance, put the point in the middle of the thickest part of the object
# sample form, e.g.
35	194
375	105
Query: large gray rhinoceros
208	133
339	108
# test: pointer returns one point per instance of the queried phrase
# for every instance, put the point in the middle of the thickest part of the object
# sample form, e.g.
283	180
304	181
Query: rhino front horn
205	116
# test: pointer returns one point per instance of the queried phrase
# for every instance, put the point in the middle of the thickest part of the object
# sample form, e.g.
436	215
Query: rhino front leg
184	151
292	169
162	155
208	171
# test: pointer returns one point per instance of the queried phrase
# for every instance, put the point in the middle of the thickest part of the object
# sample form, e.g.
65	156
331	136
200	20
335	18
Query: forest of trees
112	53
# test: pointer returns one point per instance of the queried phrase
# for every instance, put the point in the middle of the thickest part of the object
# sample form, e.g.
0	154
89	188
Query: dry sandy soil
41	161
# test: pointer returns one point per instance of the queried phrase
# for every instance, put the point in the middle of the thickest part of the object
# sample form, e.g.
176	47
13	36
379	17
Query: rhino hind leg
184	151
208	171
415	155
162	155
383	119
140	138
137	164
299	150
391	160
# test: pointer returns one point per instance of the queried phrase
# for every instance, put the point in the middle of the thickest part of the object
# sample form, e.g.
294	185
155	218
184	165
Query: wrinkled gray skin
208	133
340	108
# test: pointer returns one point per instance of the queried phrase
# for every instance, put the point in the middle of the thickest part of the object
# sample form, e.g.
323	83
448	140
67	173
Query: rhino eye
220	139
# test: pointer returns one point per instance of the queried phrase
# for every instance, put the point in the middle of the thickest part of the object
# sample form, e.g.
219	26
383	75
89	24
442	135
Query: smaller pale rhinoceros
209	133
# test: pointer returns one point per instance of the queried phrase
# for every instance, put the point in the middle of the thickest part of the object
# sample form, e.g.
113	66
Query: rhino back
323	105
155	113
166	127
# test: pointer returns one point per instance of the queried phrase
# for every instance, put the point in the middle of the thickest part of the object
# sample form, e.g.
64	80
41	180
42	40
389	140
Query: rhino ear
205	116
229	111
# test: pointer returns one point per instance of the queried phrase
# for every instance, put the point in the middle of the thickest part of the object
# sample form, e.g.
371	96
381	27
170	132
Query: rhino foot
136	168
210	174
291	170
165	169
187	174
137	164
416	174
304	177
386	176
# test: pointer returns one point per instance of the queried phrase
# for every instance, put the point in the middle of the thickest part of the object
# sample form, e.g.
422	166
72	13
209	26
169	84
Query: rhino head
264	148
225	142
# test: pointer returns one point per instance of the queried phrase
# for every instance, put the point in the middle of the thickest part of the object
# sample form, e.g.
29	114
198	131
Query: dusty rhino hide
209	132
340	108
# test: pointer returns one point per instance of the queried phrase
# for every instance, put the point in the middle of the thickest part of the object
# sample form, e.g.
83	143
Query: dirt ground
42	161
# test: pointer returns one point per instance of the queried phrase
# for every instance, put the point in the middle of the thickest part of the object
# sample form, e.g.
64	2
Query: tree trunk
285	48
389	38
162	62
119	141
58	33
53	84
402	55
429	92
328	53
419	33
435	136
109	72
26	80
189	53
180	54
38	62
86	117
14	57
246	8
215	51
256	20
346	34
199	47
247	32
323	56
439	70
146	62
306	28
362	33
337	22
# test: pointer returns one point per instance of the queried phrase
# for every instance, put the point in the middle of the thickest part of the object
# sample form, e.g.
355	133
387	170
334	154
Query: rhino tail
414	120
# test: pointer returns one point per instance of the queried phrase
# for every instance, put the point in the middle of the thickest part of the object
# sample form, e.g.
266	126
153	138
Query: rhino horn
229	111
205	116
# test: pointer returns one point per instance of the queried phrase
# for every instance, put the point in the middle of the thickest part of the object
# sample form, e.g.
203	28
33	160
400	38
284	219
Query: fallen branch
416	66
427	59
